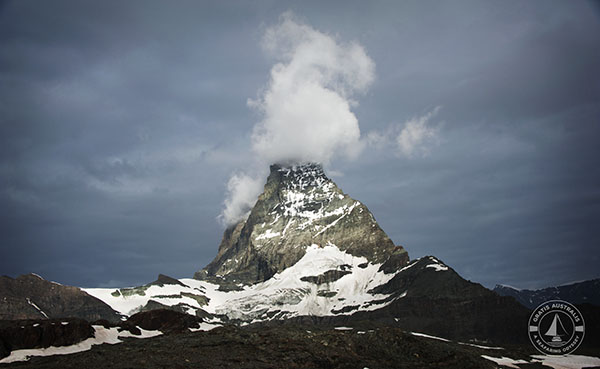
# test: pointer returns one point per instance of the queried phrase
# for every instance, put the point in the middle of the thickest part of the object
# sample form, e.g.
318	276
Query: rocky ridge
32	297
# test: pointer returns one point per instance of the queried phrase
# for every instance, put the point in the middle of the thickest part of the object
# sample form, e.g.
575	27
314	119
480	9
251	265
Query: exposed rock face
299	207
180	308
327	277
165	320
26	334
32	297
165	280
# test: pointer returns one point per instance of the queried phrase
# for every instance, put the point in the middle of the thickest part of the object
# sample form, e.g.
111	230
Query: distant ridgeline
575	293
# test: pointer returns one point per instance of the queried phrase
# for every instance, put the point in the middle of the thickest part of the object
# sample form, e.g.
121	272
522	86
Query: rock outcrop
28	334
165	320
299	207
32	297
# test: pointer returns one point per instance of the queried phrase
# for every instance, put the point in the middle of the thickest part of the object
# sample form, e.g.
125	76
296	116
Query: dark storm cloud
120	123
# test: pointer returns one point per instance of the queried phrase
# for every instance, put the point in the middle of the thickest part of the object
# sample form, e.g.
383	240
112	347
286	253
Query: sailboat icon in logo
555	331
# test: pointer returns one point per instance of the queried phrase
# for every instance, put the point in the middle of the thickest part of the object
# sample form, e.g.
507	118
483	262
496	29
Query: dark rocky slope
275	347
32	297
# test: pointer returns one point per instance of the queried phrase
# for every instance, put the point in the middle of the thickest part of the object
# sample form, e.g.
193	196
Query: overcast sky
121	124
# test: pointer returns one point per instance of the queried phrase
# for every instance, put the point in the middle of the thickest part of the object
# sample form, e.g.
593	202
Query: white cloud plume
412	137
242	192
305	107
416	133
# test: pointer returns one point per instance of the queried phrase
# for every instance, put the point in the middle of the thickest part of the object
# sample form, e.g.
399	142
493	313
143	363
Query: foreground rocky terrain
278	347
178	341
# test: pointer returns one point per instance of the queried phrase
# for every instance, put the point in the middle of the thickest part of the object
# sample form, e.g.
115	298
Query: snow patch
144	333
567	361
429	336
412	263
34	305
481	347
268	234
506	361
556	362
438	267
205	327
345	211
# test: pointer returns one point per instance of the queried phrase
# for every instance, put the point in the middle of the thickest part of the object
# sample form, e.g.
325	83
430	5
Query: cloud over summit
306	105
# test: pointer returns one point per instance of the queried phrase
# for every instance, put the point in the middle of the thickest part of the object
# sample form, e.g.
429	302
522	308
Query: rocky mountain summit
299	208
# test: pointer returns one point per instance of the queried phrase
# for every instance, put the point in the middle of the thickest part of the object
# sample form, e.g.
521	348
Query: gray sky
122	122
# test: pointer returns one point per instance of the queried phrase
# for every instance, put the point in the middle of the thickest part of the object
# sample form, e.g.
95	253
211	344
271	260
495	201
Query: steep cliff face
300	207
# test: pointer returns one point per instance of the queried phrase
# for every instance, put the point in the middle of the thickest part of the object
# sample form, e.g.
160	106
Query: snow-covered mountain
306	248
309	251
324	282
299	209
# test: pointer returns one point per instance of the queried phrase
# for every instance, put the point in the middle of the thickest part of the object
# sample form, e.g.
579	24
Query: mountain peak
297	167
299	176
299	208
